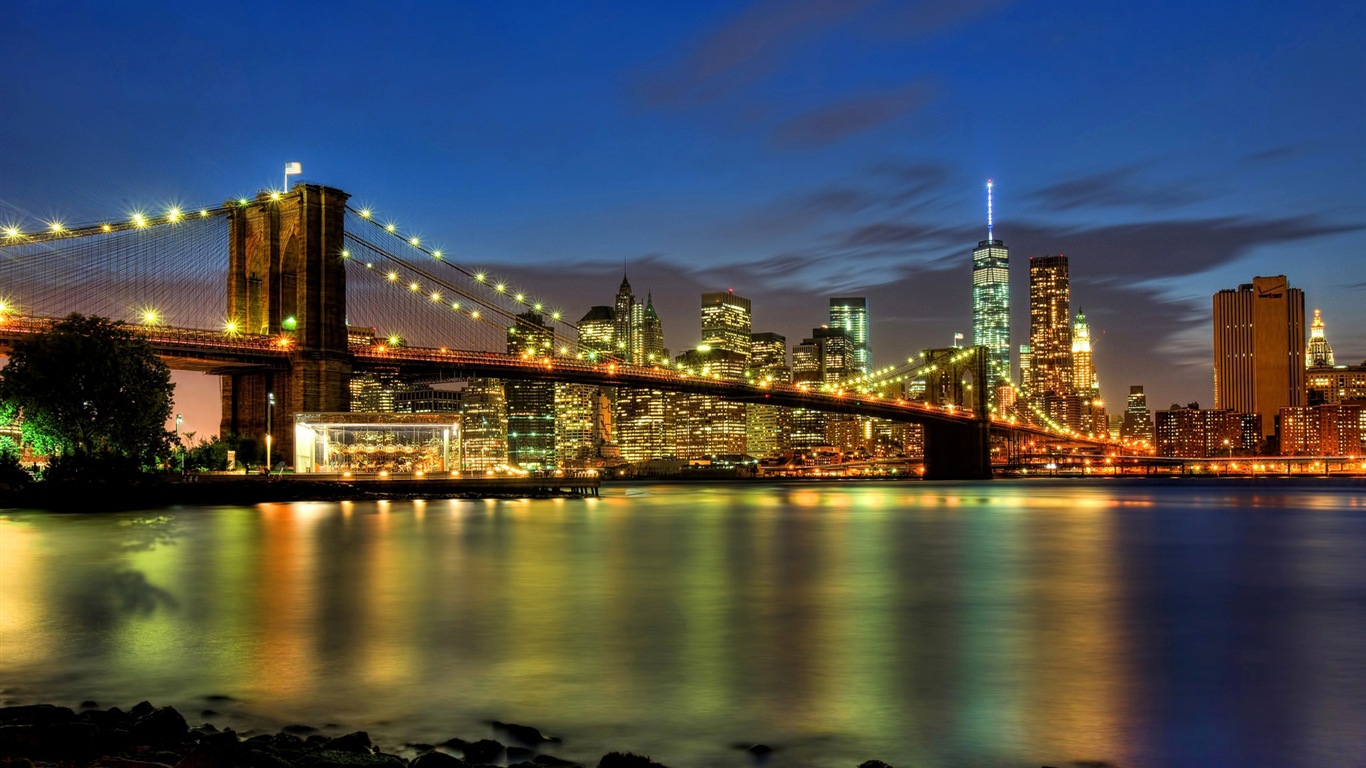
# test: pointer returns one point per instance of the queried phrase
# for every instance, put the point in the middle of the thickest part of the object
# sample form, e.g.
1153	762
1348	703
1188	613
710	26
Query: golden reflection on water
914	623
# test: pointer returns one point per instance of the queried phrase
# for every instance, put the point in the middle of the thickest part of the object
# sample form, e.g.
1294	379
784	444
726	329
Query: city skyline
791	151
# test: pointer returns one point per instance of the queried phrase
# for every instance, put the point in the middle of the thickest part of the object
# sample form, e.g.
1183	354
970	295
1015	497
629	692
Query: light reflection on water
933	624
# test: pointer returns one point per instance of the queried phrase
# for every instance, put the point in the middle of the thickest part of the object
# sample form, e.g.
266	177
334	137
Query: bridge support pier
287	278
958	451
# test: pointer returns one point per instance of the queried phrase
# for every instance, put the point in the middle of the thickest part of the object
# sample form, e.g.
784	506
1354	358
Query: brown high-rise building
1050	325
1259	349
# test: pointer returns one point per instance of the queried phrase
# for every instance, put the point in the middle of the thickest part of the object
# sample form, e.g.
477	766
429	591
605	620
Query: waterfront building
1196	433
767	426
704	426
1259	348
1050	339
483	415
376	442
1323	430
1138	420
530	404
851	316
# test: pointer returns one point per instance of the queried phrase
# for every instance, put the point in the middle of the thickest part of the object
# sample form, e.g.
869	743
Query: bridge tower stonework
286	278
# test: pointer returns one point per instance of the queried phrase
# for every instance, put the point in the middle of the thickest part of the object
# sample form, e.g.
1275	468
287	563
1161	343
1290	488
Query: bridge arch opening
289	283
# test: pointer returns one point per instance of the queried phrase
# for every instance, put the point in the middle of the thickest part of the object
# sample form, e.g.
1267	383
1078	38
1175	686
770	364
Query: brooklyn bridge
288	295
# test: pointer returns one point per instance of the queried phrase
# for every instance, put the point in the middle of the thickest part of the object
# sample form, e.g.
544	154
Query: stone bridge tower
286	278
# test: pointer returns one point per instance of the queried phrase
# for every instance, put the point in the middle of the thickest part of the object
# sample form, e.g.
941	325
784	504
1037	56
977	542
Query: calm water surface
999	624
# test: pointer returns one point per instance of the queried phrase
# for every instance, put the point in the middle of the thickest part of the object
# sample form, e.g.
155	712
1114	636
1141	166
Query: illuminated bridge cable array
165	270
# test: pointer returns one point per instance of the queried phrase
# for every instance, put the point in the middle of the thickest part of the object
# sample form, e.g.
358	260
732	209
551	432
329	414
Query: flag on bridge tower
292	169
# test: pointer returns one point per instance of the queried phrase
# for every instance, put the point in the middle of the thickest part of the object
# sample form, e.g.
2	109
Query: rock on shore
48	736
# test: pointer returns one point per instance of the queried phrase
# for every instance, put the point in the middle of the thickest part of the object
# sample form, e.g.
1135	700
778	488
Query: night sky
791	150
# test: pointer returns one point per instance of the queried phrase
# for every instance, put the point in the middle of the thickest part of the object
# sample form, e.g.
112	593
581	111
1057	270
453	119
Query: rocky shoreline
49	736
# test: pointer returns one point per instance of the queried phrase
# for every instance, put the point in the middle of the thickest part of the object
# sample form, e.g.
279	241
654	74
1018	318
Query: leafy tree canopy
89	386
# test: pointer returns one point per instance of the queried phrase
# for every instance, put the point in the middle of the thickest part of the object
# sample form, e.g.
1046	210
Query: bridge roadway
207	351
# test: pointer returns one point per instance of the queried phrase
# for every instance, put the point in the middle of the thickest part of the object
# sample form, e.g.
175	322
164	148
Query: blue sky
789	150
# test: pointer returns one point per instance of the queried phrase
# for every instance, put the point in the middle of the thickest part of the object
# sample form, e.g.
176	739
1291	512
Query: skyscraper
766	426
851	316
991	299
1085	384
1259	349
628	317
1050	325
530	404
642	427
726	322
1319	354
1138	420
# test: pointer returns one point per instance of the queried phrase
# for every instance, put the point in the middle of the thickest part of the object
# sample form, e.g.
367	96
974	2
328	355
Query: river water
1142	623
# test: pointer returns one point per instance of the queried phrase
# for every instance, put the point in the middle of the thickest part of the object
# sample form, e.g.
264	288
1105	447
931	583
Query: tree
89	387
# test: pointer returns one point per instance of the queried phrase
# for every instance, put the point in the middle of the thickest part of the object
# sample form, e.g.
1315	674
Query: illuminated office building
484	426
991	299
530	404
820	360
1138	420
705	426
767	426
851	316
726	323
1259	348
1085	384
1050	325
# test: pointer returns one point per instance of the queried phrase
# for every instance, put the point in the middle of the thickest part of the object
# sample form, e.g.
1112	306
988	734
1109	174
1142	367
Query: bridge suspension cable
451	290
162	270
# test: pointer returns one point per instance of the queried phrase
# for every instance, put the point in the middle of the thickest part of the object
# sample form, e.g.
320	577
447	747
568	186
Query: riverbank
49	736
208	490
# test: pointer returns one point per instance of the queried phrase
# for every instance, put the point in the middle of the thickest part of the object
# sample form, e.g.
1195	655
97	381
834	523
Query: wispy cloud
1116	188
745	50
829	124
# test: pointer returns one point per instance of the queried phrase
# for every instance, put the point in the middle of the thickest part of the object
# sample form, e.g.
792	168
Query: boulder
519	753
351	742
874	764
163	725
483	751
524	733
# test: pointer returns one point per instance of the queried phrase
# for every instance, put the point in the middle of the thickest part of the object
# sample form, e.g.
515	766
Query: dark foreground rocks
47	736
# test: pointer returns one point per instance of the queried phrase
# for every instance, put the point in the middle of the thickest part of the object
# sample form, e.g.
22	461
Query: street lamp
178	419
270	409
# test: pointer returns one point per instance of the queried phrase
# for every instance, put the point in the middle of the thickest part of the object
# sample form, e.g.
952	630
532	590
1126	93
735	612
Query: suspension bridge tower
286	278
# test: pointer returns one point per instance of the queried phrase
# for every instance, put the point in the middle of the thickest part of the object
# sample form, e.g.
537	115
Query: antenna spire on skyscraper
989	237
